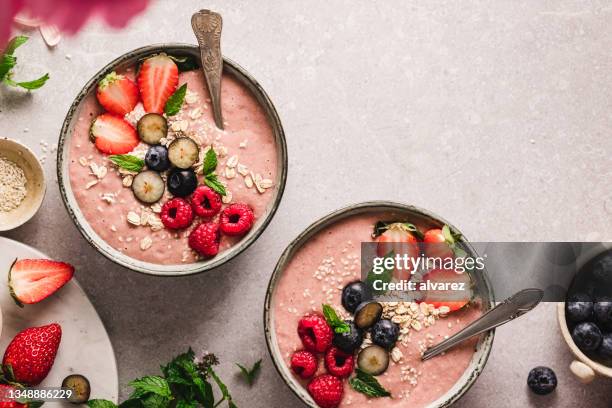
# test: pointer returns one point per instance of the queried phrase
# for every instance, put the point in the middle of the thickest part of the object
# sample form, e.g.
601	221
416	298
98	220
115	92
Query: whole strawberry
32	352
6	400
326	390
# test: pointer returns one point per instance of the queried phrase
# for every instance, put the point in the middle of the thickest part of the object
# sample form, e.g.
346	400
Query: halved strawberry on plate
157	81
446	287
32	280
113	135
117	94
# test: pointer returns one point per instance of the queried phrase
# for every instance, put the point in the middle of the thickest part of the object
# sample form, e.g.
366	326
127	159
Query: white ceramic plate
85	347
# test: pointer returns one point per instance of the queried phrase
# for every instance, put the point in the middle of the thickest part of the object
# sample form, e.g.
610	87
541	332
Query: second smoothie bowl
337	345
148	178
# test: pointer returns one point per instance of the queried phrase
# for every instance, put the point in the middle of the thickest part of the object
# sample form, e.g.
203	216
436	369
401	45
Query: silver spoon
511	308
207	27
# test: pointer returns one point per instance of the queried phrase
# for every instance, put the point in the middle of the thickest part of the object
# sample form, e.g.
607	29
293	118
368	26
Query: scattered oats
416	325
155	223
134	116
248	181
232	161
230	172
125	172
83	161
195	113
91	184
13	184
146	243
127	181
108	197
396	354
257	182
227	198
266	183
113	228
242	169
144	218
129	239
221	151
191	97
156	208
243	144
444	310
133	218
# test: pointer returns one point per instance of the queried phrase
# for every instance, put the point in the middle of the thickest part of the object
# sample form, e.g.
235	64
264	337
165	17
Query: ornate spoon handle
207	27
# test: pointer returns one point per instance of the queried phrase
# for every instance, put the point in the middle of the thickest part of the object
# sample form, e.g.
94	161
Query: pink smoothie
105	202
318	272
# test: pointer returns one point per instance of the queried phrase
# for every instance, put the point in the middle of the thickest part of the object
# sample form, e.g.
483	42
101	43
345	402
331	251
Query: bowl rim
485	343
35	162
146	268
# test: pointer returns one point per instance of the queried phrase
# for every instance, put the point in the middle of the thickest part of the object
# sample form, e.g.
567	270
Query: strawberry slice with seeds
447	287
157	80
117	94
113	135
32	280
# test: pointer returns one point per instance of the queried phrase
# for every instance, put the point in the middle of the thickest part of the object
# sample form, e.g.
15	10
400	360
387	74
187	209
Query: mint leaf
15	43
222	387
154	384
367	384
213	182
174	103
210	162
127	161
250	374
7	62
29	85
334	321
101	403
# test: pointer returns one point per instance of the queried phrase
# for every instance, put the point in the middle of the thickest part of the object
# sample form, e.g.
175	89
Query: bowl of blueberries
585	318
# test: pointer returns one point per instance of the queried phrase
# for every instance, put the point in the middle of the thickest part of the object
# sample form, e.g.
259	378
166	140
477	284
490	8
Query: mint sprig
250	374
8	61
367	384
339	325
127	161
175	101
210	177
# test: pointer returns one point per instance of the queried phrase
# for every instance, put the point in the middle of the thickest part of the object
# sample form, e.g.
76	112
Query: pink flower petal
7	12
50	34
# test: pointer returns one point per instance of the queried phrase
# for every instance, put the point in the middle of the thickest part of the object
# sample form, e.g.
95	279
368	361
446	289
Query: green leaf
35	404
222	387
381	226
101	403
448	236
29	85
334	321
131	403
15	43
127	161
154	384
213	182
174	103
210	162
250	374
367	384
7	62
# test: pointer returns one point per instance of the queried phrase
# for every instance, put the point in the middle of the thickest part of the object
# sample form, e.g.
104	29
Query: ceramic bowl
63	160
36	186
482	288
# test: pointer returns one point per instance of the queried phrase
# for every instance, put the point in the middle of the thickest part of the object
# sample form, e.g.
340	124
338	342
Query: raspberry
304	364
176	214
237	219
205	239
339	363
326	390
315	333
205	202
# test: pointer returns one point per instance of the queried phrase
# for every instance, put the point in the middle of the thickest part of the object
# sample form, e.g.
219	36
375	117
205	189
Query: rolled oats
133	218
146	243
232	161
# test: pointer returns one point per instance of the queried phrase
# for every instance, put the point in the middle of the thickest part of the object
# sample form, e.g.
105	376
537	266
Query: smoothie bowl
335	346
148	178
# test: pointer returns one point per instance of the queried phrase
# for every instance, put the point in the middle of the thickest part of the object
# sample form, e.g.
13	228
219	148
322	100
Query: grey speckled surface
495	115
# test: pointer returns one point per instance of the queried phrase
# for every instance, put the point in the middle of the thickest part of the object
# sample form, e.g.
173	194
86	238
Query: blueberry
603	311
352	295
157	158
385	333
605	349
181	183
579	307
587	336
542	380
350	341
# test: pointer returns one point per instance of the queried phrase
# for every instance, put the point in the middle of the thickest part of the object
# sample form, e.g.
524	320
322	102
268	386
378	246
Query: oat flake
12	185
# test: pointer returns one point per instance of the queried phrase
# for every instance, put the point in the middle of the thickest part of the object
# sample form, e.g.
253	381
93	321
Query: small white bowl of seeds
22	184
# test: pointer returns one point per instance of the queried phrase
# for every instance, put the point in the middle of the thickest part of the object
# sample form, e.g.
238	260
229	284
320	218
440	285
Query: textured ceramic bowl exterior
483	291
36	186
129	59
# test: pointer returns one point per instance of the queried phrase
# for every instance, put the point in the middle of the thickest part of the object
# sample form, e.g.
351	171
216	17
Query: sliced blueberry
352	295
603	311
385	333
157	158
368	313
542	380
181	183
148	186
349	341
183	152
605	348
579	307
373	360
587	336
152	127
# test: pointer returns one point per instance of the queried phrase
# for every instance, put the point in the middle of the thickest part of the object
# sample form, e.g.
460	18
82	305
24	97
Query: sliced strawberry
441	292
117	94
440	242
398	240
32	280
157	80
113	135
